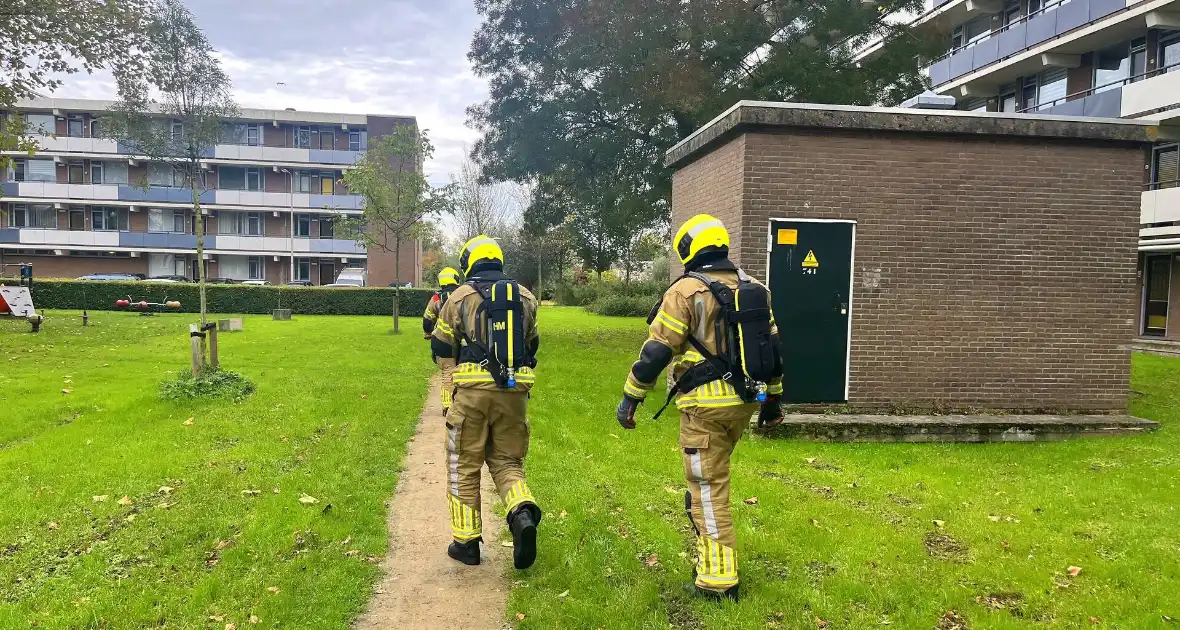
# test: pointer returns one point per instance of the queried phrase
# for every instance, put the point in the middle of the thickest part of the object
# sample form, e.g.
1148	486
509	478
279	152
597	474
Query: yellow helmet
448	276
699	234
479	249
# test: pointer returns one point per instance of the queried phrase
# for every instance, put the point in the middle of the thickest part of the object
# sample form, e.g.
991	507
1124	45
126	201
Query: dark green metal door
811	286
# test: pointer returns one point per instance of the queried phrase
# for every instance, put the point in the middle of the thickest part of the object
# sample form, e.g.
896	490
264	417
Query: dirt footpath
422	587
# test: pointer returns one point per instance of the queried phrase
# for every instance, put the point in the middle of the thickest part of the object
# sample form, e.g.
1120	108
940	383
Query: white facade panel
1150	94
225	152
281	154
302	245
1160	206
66	237
161	264
236	267
77	145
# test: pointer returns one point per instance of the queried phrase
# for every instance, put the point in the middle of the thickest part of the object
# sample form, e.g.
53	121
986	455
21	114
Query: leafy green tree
176	110
592	93
43	40
398	198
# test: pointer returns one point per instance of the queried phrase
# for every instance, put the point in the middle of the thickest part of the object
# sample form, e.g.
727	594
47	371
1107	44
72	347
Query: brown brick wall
279	182
1007	265
381	265
711	185
74	266
1174	301
277	136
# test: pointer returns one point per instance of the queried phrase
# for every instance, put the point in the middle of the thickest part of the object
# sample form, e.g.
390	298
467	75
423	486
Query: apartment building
272	200
1110	58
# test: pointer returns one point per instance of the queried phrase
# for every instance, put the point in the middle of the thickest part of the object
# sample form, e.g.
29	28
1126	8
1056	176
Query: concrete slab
1162	347
958	428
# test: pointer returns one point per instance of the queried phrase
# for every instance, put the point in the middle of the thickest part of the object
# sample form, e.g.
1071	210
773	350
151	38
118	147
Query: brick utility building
933	259
1110	58
84	204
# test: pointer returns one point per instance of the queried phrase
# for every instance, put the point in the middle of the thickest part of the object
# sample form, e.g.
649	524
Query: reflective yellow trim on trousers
473	373
712	394
517	494
716	566
446	397
466	523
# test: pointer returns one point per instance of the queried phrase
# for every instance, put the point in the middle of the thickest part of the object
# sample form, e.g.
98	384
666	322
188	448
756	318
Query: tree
476	207
42	40
397	196
596	91
176	110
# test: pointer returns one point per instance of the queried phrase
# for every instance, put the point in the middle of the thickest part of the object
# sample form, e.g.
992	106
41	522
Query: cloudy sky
404	57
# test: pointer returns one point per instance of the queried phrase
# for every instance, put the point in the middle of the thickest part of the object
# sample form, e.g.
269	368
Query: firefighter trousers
447	368
485	426
708	436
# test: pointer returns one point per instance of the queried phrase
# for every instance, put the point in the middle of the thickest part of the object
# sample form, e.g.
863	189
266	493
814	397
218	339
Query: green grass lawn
337	398
849	537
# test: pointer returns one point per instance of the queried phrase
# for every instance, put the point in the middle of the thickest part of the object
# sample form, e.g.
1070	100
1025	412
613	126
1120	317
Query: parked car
338	285
408	285
163	280
355	276
221	281
255	283
122	277
299	283
172	278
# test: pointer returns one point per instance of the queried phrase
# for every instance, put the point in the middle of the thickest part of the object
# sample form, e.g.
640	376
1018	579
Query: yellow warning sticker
810	261
788	237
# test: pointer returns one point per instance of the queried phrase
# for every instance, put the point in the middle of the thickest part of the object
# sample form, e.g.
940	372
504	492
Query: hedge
230	298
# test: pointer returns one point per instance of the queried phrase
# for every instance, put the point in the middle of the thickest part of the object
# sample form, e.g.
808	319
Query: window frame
27	212
176	131
81	122
256	173
354	145
96	167
302	132
253	218
1156	183
20	170
121	219
81	171
257	131
1172	38
302	225
302	264
223	169
250	268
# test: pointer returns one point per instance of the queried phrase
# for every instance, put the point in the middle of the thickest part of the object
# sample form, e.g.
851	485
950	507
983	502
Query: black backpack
500	346
747	356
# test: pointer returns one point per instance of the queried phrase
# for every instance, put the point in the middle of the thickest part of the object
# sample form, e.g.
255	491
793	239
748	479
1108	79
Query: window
303	225
39	216
354	141
1044	90
255	268
1112	66
178	222
43	124
1165	171
109	219
1012	13
254	223
253	135
75	173
303	269
177	131
1169	57
1008	98
971	32
327	182
303	137
318	182
163	220
75	126
231	177
323	138
1138	59
94	130
975	105
96	173
302	181
253	179
34	171
240	223
164	175
326	227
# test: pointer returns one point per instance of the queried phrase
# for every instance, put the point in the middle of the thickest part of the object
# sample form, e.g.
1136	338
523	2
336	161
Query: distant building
84	204
1111	58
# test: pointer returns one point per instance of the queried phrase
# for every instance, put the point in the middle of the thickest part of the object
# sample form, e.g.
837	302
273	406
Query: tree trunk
200	229
397	275
540	260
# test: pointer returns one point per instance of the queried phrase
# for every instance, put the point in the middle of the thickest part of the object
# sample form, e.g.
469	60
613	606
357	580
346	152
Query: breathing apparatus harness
498	345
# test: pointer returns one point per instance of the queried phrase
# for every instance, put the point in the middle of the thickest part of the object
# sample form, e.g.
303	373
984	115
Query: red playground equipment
144	306
18	301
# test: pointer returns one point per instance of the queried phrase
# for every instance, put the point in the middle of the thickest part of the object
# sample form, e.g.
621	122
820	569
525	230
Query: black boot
523	523
729	593
467	553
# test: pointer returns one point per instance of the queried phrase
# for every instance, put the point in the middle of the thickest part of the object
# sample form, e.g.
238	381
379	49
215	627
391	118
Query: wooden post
194	336
212	347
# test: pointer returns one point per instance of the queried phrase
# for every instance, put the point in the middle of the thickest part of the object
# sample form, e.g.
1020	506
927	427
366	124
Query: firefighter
722	373
489	327
448	280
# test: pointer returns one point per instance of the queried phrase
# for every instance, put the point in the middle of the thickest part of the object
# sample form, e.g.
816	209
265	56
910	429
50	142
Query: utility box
927	260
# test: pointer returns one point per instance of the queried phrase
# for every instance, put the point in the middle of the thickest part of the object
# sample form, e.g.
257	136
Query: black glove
625	413
771	413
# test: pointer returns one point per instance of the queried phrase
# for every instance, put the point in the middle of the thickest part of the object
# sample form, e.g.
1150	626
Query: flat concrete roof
750	115
265	115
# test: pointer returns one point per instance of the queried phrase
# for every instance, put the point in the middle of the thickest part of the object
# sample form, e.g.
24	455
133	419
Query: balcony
261	154
229	242
1019	36
50	190
62	238
1149	95
76	145
163	194
1160	206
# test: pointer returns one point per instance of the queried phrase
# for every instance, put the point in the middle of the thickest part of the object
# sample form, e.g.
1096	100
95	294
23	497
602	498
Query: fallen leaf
994	519
671	490
254	619
820	623
188	423
751	501
506	542
130	518
67	391
308	500
352	553
98	498
563	594
1097	620
372	559
614	436
1074	571
165	490
810	460
563	514
126	500
815	522
224	544
1011	519
53	525
164	505
217	618
683	554
364	395
275	490
938	523
1168	619
652	561
520	616
344	543
1005	544
231	626
274	590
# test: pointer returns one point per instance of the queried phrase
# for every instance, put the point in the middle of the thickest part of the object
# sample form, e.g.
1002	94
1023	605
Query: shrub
586	294
210	384
230	298
623	305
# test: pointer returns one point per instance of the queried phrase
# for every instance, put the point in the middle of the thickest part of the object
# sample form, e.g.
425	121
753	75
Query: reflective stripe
453	460
517	494
775	388
634	391
430	314
696	230
671	322
716	564
711	394
473	373
445	328
466	522
706	493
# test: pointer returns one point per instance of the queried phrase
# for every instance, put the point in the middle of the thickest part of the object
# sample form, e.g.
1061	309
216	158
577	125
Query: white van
351	277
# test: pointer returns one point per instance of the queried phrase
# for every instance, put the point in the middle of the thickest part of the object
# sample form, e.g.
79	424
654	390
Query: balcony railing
1105	100
1031	30
1160	203
262	154
169	194
61	238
